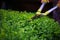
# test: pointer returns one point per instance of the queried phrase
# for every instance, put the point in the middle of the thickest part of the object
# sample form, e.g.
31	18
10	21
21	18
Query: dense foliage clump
15	26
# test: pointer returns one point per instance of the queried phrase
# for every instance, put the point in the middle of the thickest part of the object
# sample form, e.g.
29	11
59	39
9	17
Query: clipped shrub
15	26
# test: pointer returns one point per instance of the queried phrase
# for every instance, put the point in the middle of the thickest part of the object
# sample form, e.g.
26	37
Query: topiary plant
15	26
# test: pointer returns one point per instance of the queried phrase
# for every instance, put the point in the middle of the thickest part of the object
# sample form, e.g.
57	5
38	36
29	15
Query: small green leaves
15	26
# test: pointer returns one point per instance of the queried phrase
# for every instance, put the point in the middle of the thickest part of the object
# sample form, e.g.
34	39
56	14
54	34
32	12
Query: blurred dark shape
3	6
0	3
56	13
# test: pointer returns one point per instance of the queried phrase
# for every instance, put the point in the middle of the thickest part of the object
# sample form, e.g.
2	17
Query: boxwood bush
14	25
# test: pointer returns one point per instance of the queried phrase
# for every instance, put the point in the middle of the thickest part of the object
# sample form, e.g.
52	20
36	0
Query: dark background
22	5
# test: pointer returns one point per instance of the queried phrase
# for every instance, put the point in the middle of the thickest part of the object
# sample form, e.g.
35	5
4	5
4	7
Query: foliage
15	26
